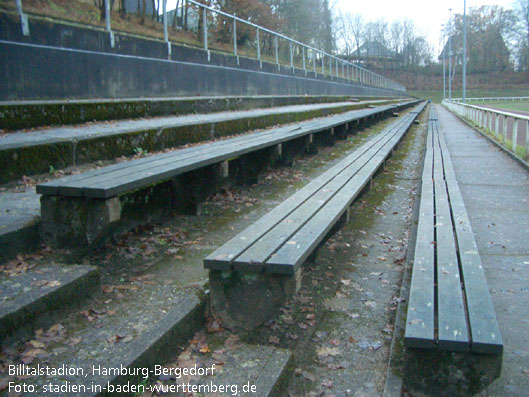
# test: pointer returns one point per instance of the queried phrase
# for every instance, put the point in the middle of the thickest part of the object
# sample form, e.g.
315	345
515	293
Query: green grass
508	105
437	95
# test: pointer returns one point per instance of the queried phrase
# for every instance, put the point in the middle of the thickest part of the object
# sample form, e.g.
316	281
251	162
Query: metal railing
509	129
349	71
494	99
298	55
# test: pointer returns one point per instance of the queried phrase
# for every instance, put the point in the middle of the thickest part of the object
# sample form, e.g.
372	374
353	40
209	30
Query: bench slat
485	333
224	257
420	326
300	245
452	325
116	179
279	235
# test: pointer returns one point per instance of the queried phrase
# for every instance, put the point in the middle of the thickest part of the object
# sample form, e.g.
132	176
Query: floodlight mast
450	56
464	50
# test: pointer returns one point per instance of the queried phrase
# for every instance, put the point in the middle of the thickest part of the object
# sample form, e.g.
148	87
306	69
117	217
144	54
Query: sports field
509	106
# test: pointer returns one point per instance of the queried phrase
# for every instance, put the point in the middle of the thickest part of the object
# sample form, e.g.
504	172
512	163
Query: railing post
330	66
205	29
23	18
527	139
107	20
497	126
514	134
235	40
277	51
291	56
258	47
504	130
314	62
165	33
323	64
304	64
337	72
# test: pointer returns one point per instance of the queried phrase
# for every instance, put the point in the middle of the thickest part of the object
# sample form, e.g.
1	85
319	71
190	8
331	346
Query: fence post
497	129
527	139
23	19
514	135
107	20
323	64
277	52
314	62
205	29
504	130
258	48
165	33
291	56
235	40
304	64
330	67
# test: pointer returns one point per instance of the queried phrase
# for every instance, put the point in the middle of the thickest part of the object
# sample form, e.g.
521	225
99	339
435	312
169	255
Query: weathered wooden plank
236	250
300	245
135	173
223	257
452	325
167	164
484	330
258	254
420	326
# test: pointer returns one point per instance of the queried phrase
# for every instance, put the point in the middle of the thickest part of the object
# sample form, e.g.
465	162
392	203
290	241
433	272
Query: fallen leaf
127	339
308	376
327	383
204	349
327	351
73	341
37	344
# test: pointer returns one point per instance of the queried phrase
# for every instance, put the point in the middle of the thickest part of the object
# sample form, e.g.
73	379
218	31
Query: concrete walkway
496	193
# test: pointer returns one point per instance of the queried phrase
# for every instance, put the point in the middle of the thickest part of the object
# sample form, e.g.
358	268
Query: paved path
496	193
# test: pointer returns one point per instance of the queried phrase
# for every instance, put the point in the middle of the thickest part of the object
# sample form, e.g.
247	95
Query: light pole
464	50
450	56
444	68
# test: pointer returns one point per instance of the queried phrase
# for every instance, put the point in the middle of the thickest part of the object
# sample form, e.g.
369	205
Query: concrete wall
59	61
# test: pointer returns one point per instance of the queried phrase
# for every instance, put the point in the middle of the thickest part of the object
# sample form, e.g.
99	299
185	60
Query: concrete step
36	298
232	368
19	221
153	300
17	115
28	153
101	345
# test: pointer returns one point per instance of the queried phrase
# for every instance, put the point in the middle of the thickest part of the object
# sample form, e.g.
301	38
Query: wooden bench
279	242
81	209
450	307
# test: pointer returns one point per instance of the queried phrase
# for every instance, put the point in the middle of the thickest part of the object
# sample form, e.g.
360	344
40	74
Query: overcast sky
427	15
